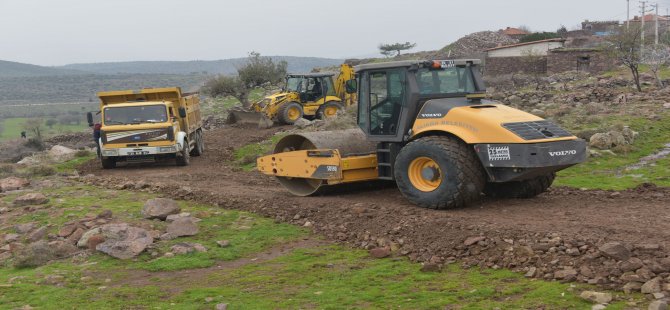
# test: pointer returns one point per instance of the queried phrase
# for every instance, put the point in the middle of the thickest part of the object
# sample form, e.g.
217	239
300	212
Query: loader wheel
328	110
199	145
439	172
520	189
290	112
185	158
108	163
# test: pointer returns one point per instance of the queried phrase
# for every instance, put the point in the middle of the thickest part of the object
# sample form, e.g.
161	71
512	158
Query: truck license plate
138	153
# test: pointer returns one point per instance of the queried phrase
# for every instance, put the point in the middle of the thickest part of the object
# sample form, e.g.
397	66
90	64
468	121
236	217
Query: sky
58	32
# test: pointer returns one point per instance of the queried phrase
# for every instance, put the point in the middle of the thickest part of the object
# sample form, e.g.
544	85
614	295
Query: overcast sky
56	32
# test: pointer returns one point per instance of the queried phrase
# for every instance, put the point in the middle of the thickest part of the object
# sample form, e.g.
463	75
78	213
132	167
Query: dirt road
557	231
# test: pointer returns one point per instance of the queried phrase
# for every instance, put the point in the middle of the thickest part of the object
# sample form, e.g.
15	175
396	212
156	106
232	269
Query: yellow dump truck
148	125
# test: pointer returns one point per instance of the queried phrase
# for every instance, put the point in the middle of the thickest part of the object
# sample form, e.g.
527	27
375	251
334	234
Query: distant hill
17	69
225	66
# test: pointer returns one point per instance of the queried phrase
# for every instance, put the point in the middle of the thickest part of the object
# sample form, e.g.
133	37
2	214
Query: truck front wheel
520	189
108	163
439	172
184	156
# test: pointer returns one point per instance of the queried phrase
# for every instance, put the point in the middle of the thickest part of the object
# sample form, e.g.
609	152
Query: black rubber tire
282	114
107	163
185	158
461	186
199	148
319	112
520	189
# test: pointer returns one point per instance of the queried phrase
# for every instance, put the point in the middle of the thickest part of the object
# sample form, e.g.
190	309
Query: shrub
40	170
82	153
7	168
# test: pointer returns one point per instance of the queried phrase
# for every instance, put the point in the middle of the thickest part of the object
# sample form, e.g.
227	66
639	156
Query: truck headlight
110	152
167	149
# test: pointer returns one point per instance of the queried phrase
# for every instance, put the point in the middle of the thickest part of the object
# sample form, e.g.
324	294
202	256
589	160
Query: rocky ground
617	240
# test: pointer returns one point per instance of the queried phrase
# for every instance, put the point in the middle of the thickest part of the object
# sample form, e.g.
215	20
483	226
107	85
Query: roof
650	18
514	31
526	43
312	74
409	63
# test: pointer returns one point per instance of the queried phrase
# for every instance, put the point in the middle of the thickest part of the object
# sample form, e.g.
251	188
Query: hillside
17	69
225	66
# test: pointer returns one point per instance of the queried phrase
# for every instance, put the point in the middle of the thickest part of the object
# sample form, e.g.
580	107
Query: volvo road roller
427	126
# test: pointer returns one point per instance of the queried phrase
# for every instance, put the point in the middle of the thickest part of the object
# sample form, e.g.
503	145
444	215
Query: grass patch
12	127
608	172
245	157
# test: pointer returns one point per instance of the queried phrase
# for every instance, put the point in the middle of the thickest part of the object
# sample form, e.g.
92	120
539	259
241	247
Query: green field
11	129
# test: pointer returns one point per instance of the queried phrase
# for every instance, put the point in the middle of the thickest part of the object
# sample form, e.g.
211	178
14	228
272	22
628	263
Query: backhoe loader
304	95
427	126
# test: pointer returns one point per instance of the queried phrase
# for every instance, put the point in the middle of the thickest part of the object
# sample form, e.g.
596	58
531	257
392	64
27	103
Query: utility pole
644	11
656	25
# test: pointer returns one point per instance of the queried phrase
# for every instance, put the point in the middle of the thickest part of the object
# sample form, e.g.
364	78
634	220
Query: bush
40	170
82	153
7	168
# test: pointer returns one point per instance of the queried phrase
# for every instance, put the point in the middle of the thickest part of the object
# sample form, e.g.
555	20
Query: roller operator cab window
387	97
455	80
135	115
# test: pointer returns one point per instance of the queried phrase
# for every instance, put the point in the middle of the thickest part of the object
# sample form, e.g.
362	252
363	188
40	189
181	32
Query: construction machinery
312	95
427	126
149	125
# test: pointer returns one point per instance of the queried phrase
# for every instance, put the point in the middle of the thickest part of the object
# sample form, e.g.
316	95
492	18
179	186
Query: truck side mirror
89	118
182	112
351	86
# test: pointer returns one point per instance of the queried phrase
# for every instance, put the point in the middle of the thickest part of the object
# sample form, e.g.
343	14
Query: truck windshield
455	80
135	115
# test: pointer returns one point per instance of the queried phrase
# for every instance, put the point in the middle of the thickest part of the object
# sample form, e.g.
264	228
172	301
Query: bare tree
34	126
656	56
532	61
256	72
624	47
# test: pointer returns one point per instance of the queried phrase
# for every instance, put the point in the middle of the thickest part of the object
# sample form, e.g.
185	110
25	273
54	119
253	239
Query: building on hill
600	28
543	57
650	21
514	33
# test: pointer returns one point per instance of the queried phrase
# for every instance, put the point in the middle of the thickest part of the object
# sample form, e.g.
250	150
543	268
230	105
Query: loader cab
311	87
392	94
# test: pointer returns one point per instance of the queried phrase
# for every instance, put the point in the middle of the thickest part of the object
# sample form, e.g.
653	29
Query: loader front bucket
239	116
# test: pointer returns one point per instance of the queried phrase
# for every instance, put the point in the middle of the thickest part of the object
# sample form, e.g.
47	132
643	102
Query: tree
34	126
532	60
389	49
562	31
256	72
656	56
51	122
624	47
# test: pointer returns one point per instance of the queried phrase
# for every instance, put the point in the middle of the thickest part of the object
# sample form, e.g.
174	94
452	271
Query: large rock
160	208
24	228
658	305
184	226
38	234
567	274
30	199
12	184
41	252
615	250
632	264
596	297
83	240
651	286
59	153
124	241
187	247
608	140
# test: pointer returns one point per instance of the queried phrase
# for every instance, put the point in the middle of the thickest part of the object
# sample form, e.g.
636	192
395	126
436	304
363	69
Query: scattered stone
651	286
430	267
223	243
658	295
380	252
183	227
59	153
566	274
13	183
222	307
308	224
472	240
94	240
40	252
615	250
75	236
172	217
83	241
9	238
30	199
302	123
632	264
532	271
67	230
159	208
124	241
187	247
106	214
572	252
25	228
632	287
658	305
166	237
596	297
38	234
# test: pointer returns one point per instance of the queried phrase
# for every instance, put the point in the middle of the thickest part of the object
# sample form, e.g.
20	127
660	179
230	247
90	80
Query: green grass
12	127
245	157
219	105
608	172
